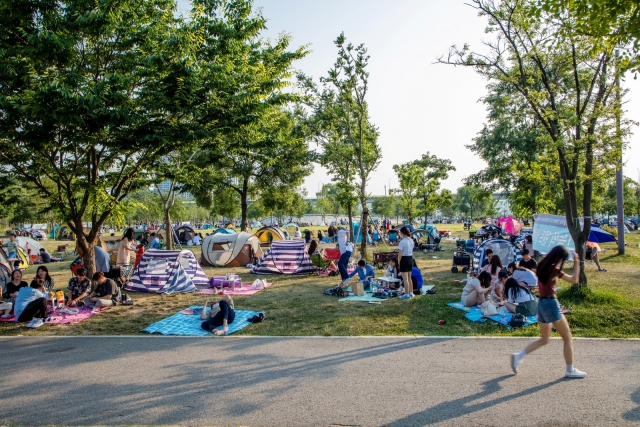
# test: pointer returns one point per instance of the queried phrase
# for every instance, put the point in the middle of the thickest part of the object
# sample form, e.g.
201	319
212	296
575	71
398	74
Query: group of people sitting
30	301
512	287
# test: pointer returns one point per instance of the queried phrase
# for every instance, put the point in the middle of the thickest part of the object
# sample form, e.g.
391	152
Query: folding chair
61	252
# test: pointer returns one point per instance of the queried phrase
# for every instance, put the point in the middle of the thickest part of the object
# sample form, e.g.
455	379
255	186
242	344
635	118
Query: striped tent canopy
5	271
507	251
285	257
167	272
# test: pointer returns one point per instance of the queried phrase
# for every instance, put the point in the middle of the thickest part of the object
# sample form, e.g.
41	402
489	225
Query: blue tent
357	234
598	235
225	231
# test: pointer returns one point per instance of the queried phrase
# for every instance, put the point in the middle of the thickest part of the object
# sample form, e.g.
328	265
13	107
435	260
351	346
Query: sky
418	105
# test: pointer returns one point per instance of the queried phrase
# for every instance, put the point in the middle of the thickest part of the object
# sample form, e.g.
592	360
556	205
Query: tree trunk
363	231
350	222
88	258
168	244
243	209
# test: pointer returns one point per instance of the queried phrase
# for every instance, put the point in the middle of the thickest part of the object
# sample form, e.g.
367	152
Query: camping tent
427	236
230	250
185	233
27	243
167	272
510	226
507	251
225	231
285	257
5	271
275	232
357	234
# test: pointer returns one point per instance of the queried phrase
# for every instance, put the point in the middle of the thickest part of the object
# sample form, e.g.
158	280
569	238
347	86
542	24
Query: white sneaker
575	374
515	362
6	316
35	323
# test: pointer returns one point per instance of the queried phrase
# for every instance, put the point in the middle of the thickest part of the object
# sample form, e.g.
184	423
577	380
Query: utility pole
619	176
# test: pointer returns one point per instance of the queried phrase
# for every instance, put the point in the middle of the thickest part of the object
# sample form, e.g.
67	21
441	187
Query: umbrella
511	226
600	236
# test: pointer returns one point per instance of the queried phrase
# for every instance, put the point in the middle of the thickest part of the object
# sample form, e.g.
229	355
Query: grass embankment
296	305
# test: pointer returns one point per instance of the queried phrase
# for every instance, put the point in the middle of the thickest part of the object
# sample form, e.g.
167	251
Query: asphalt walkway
313	382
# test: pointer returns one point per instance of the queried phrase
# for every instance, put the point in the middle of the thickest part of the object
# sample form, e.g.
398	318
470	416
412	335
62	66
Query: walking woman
346	249
126	247
549	271
405	253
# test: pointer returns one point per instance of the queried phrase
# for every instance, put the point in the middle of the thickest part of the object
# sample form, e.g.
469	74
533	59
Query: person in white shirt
476	289
523	276
197	240
345	254
405	253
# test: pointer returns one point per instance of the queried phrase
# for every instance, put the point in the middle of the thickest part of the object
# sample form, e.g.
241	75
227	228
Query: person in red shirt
549	313
139	253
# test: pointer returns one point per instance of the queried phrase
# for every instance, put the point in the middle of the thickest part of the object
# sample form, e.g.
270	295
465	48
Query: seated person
488	255
317	256
42	273
14	286
197	240
43	258
5	308
476	289
78	287
106	293
498	292
526	261
31	302
417	279
155	241
528	243
392	271
519	298
494	267
523	276
365	273
222	314
594	248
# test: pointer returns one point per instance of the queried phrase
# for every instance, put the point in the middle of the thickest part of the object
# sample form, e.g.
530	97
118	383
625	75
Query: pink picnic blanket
244	290
56	318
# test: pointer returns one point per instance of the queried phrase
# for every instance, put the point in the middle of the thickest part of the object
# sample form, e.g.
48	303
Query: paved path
313	381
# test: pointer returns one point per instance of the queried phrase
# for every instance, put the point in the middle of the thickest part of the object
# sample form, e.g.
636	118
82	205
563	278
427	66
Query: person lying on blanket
106	293
222	314
476	289
365	274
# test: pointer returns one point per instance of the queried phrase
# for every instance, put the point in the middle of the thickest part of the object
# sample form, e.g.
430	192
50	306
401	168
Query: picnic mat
475	315
56	318
245	290
366	298
189	325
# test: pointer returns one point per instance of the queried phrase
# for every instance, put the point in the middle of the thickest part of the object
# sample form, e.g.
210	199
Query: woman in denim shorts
549	271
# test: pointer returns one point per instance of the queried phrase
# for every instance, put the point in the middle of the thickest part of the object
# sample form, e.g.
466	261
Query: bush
611	230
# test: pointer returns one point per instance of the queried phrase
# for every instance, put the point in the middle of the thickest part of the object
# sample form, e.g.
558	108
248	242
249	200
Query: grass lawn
296	305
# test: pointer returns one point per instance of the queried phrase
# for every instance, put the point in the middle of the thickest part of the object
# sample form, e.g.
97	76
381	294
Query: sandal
602	269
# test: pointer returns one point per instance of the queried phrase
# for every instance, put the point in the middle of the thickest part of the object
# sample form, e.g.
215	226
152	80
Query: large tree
341	123
568	85
89	93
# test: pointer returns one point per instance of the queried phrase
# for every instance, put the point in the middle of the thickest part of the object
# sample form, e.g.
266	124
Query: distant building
164	187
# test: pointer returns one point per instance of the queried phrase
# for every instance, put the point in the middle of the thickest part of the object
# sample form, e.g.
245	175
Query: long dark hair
13	273
394	260
129	234
495	263
405	230
512	285
547	266
46	270
485	279
312	247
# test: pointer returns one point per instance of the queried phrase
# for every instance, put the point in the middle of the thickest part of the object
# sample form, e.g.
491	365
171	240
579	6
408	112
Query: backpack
518	320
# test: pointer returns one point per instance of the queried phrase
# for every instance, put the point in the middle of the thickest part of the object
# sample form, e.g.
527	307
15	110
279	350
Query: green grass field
296	305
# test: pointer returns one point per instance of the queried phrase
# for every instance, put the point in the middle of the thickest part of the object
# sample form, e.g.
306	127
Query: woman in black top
14	286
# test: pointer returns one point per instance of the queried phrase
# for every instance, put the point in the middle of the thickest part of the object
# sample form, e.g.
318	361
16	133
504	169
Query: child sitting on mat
222	314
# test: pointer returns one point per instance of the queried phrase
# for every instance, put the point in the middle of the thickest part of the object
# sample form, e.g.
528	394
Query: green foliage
474	202
384	206
618	21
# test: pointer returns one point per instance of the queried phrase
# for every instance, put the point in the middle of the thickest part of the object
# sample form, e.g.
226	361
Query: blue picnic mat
366	298
475	315
189	324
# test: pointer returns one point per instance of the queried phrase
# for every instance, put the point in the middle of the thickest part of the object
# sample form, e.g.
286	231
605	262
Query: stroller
461	258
